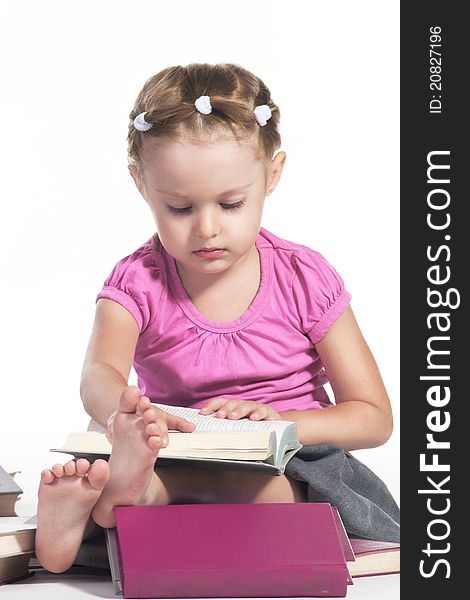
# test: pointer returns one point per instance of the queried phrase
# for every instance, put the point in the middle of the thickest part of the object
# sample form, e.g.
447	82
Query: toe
152	429
69	468
47	476
82	466
129	399
58	470
143	405
149	415
155	442
98	474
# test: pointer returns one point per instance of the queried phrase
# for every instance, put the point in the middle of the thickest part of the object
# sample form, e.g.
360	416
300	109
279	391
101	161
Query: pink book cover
343	536
230	550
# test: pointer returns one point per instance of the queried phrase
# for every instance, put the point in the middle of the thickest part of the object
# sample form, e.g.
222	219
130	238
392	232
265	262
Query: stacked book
207	550
16	533
211	550
239	550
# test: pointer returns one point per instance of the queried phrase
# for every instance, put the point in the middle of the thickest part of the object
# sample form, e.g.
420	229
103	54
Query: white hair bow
141	124
262	114
203	105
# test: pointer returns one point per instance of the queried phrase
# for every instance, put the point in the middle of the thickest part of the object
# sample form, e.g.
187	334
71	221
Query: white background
69	210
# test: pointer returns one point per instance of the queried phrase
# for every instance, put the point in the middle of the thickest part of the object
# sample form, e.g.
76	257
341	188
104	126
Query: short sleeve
319	293
127	285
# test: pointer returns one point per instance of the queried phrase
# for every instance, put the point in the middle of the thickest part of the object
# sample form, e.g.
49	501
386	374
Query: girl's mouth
209	252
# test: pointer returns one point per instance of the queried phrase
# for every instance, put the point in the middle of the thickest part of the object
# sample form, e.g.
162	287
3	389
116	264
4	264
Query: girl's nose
207	224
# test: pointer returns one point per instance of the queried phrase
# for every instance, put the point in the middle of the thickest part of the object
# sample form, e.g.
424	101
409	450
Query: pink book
374	558
343	537
229	550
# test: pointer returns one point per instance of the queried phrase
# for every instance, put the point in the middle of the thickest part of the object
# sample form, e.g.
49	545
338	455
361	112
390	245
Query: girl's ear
275	171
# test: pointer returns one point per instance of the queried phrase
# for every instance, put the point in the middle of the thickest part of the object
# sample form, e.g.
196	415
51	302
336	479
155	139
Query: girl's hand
237	409
110	427
162	419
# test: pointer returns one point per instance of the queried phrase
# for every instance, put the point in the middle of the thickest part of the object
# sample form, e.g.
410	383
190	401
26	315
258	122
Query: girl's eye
234	205
186	210
179	211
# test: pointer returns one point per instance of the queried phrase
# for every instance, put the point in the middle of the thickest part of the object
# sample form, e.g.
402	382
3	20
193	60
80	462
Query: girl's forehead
223	152
221	142
216	163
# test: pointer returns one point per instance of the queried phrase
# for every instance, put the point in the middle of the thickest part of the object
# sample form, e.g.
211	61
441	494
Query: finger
242	409
213	405
151	414
260	413
153	431
180	424
158	426
162	426
110	420
230	407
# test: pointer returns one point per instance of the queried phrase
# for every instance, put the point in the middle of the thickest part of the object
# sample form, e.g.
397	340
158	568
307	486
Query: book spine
114	559
306	581
16	578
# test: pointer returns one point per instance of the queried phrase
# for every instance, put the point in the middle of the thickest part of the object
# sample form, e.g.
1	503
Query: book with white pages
215	442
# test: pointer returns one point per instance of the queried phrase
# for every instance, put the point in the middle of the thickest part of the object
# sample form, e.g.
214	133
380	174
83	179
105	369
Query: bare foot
67	494
135	448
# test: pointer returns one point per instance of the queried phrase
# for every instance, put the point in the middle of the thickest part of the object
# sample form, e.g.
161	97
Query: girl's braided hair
168	97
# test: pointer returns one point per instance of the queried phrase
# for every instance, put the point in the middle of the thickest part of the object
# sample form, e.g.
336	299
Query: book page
11	524
285	432
283	440
257	445
207	423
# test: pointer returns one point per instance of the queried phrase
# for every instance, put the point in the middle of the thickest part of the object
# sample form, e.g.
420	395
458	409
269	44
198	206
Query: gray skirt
364	502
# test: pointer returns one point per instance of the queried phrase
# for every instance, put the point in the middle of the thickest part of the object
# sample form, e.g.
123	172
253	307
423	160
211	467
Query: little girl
214	312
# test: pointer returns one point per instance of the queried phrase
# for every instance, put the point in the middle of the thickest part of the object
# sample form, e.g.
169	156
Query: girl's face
207	194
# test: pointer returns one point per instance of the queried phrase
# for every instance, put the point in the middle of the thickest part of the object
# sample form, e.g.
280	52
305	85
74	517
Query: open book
243	443
9	492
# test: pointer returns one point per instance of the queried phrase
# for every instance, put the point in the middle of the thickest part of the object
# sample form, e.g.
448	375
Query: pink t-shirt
267	355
